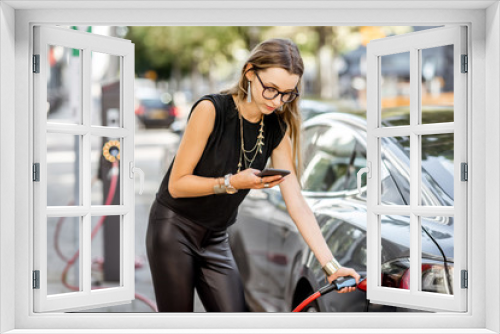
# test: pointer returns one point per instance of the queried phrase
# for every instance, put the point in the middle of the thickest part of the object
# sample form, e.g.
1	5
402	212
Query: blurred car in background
154	108
277	267
311	108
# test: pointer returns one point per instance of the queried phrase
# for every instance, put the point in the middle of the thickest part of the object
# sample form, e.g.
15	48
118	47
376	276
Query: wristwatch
331	267
229	188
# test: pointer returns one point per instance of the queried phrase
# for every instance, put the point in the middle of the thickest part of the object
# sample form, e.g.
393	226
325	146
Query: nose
277	101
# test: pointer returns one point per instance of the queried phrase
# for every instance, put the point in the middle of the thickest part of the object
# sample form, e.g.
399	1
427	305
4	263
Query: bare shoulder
204	109
202	118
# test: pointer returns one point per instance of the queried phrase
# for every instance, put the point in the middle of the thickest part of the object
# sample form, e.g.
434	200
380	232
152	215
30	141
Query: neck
249	111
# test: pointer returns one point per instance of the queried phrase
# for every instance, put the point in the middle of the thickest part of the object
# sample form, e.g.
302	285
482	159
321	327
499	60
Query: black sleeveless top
220	157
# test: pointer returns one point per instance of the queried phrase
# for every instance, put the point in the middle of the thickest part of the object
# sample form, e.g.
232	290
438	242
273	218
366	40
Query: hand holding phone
273	171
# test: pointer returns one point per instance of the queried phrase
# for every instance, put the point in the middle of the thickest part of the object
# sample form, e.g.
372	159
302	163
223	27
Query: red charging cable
334	286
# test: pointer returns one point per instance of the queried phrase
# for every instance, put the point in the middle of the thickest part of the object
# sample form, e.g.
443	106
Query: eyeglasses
270	93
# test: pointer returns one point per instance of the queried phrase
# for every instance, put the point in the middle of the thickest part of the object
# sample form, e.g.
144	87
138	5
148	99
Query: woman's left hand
343	271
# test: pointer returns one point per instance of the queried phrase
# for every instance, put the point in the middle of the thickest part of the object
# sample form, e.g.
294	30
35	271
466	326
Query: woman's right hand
248	179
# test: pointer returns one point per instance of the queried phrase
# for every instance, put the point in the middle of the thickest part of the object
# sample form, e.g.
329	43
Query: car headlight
436	276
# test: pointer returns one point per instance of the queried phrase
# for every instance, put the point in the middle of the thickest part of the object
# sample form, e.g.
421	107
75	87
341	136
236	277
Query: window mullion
414	170
85	177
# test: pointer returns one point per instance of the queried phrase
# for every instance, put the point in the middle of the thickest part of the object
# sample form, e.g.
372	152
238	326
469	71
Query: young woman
227	142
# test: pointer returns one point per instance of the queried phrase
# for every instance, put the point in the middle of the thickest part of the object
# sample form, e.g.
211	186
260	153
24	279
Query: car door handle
132	171
362	171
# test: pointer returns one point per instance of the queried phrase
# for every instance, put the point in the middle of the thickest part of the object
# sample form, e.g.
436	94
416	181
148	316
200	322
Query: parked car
154	108
277	267
311	108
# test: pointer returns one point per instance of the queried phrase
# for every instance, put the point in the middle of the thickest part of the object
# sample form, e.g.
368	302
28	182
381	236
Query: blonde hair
282	53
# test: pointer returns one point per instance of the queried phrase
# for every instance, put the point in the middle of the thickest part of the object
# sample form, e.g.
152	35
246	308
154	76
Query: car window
393	193
153	103
342	240
327	168
309	137
357	161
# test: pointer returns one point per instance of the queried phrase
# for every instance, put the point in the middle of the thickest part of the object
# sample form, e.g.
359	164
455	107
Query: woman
227	142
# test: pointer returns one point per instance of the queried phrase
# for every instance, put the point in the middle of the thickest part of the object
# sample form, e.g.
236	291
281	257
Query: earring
280	108
249	93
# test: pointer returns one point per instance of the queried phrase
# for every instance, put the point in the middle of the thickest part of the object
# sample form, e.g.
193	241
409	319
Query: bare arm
300	212
182	182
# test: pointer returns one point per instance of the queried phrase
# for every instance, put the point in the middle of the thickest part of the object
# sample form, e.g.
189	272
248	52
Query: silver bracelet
219	188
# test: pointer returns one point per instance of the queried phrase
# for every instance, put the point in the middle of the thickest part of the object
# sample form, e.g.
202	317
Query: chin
267	111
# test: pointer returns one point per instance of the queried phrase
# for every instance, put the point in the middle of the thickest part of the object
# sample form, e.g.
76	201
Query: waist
196	234
165	211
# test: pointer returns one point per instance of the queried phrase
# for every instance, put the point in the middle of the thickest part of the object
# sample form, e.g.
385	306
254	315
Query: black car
155	109
277	267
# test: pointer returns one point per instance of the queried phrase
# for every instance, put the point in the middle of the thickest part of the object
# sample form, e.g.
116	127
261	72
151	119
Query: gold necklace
258	145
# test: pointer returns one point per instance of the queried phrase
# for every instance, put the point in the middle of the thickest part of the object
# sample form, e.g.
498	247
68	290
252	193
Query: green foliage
183	47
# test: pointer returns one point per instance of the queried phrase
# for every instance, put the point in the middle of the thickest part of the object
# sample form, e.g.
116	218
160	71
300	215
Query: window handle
362	171
132	171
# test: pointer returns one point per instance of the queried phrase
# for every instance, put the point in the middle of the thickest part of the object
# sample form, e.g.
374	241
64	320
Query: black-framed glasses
270	93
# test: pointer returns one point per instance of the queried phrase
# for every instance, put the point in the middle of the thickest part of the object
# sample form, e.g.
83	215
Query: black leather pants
183	256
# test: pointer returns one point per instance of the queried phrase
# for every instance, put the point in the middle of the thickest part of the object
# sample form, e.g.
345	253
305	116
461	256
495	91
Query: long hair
283	53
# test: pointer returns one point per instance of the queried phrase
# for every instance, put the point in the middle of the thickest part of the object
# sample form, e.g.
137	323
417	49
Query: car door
248	240
328	148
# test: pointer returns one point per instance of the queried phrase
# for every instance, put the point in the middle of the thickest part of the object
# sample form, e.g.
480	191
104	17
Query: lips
270	108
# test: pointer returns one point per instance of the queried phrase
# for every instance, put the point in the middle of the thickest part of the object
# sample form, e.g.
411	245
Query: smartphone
273	171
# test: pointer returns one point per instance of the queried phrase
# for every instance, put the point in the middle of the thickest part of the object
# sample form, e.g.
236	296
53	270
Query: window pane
395	89
395	171
105	169
63	169
437	169
395	251
105	252
106	88
64	85
437	84
437	254
63	240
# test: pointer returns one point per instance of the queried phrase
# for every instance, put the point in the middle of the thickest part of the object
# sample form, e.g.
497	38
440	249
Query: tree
174	52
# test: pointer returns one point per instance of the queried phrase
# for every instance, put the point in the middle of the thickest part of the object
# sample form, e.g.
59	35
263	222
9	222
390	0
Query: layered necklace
258	145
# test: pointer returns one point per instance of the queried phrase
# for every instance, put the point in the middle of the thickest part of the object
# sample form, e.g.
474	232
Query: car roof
339	116
317	105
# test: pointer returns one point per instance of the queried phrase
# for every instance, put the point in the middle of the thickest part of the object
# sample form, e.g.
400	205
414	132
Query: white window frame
85	298
413	44
16	21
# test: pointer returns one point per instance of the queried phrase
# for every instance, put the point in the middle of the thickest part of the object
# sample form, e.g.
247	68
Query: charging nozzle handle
349	282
